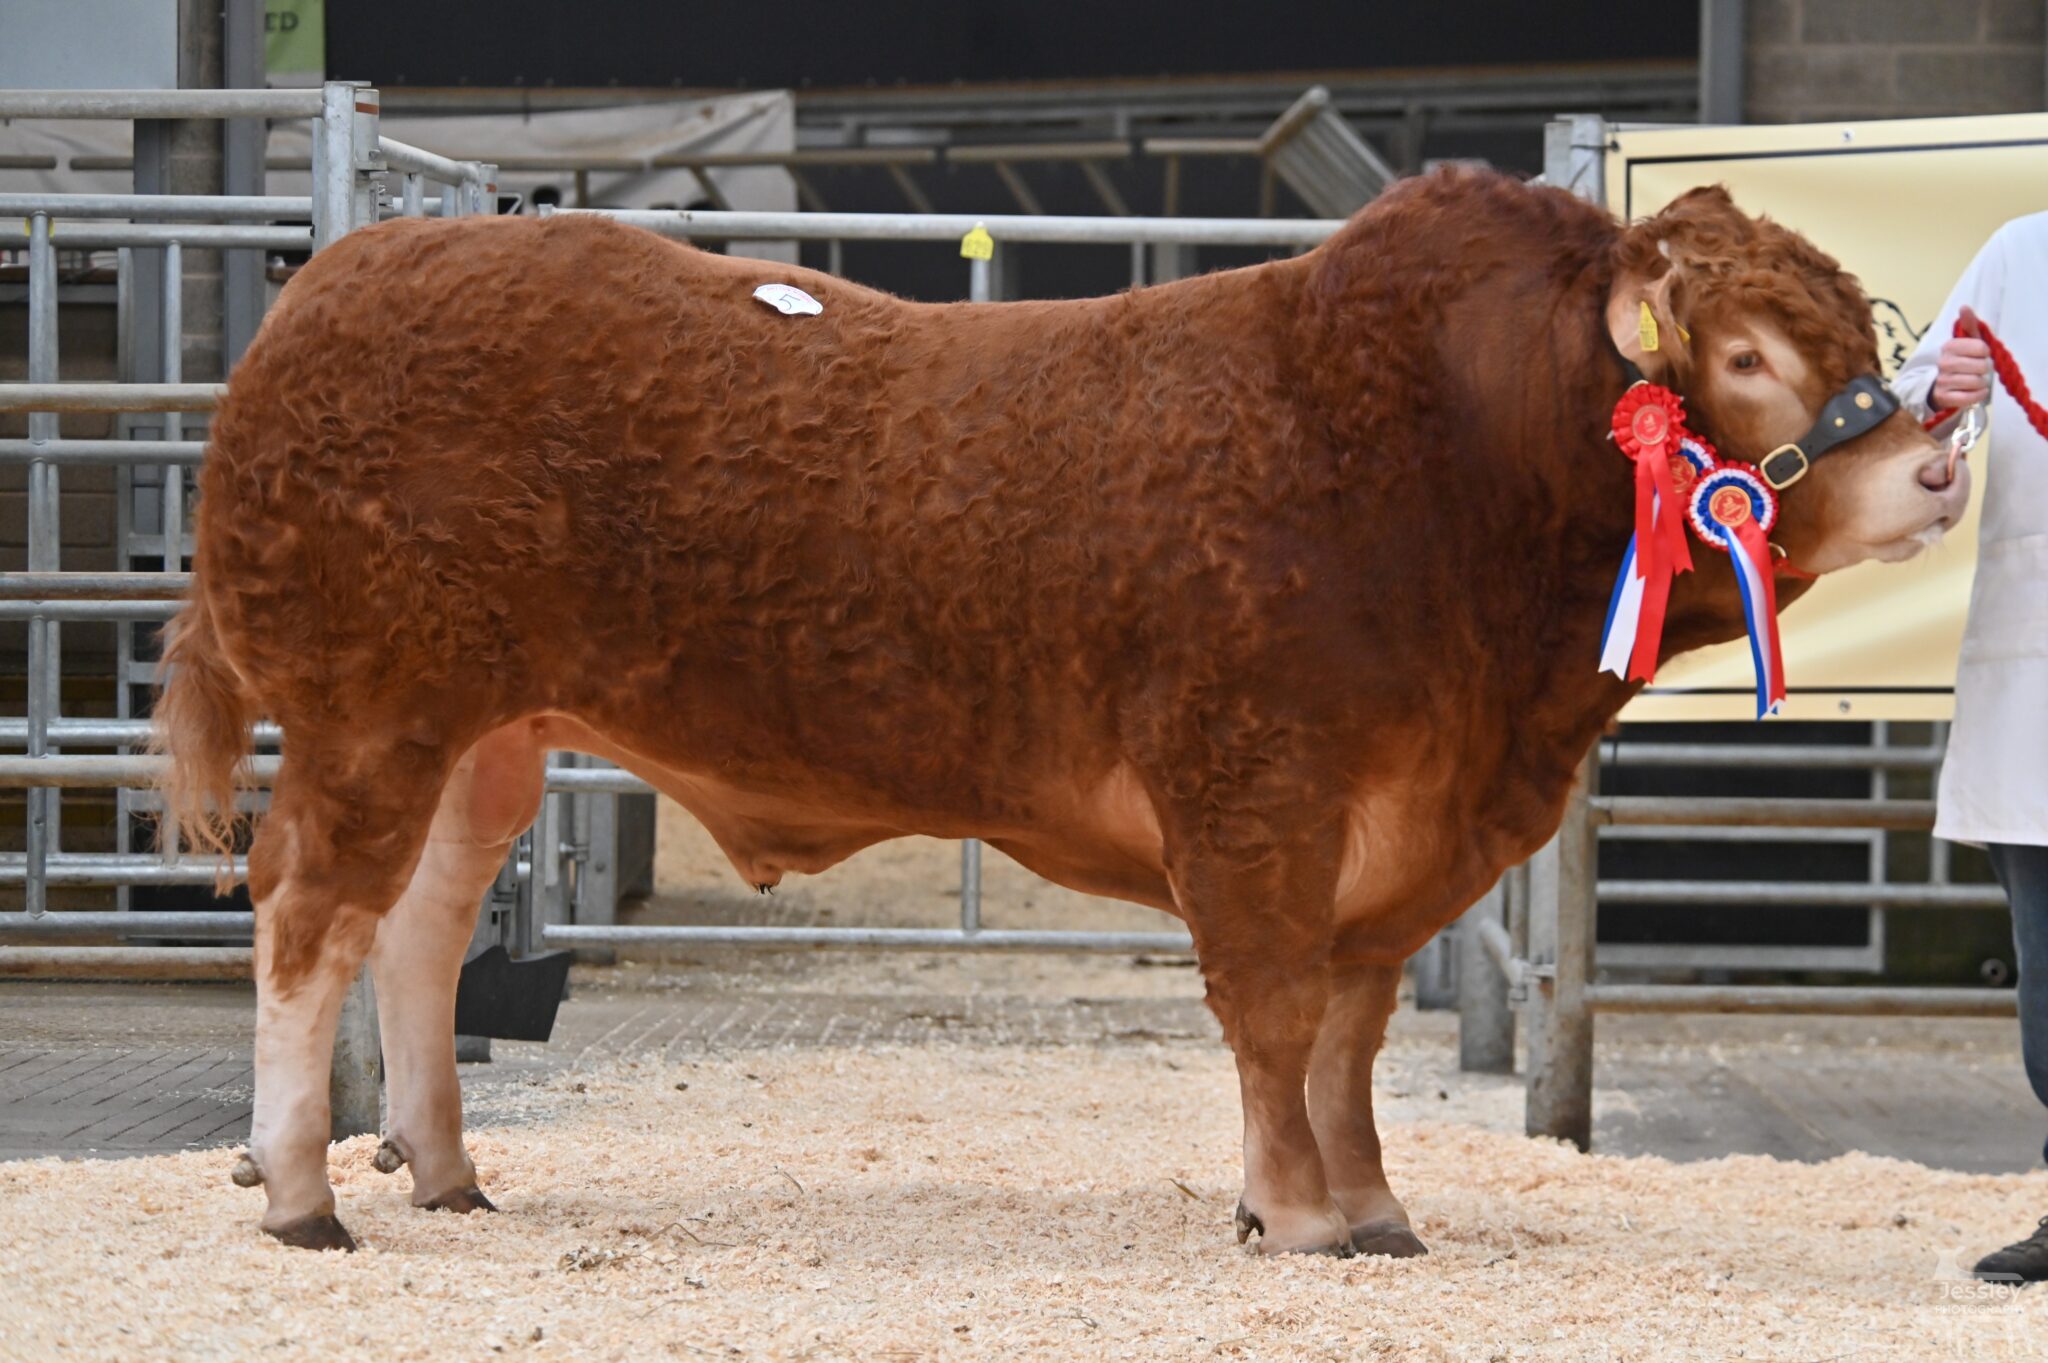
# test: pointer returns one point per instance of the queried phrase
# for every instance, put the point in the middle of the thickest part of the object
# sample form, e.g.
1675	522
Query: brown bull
1271	599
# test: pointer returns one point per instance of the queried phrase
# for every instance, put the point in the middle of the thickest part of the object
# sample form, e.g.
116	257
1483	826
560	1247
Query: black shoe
2025	1262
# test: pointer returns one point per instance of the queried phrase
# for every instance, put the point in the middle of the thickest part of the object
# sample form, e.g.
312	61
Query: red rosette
1649	426
1649	416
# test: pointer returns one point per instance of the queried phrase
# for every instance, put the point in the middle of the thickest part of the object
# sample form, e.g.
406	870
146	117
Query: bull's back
575	466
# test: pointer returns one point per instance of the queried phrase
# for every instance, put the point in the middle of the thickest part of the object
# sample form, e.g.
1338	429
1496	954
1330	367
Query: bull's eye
1748	359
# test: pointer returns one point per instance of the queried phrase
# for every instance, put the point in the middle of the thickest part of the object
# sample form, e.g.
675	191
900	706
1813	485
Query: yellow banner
1904	206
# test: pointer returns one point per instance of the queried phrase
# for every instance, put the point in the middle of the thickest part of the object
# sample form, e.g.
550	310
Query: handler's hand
1963	376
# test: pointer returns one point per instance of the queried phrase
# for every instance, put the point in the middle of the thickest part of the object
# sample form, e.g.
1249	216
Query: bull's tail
202	723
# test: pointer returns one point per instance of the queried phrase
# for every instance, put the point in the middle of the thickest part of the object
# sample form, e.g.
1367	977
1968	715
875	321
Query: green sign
295	38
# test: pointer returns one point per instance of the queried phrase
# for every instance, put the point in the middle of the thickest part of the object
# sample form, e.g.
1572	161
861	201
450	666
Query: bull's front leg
1262	932
1340	1108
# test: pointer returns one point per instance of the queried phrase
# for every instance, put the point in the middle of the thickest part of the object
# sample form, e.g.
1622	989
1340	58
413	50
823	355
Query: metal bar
133	868
412	201
1840	1000
159	103
970	886
110	397
920	203
711	189
806	192
92	586
44	665
403	156
102	453
1649	811
596	780
1853	894
88	610
1732	834
206	208
127	963
107	236
1560	1094
1486	1020
988	153
135	924
13	162
1721	60
1200	146
172	519
73	772
1768	757
1498	944
334	164
355	1082
1021	192
876	939
1716	956
92	772
77	733
706	225
1105	189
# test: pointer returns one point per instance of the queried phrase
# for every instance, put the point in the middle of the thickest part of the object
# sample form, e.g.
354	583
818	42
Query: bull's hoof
389	1159
1389	1239
321	1231
245	1173
470	1199
1249	1224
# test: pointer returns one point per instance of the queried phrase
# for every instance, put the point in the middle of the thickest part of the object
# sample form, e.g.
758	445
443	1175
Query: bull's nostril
1936	477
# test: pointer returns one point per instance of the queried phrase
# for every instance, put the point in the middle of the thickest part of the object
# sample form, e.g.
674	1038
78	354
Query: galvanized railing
351	163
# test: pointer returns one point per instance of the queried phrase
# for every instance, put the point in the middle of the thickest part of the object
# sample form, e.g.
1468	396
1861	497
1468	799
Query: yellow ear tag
1646	327
978	244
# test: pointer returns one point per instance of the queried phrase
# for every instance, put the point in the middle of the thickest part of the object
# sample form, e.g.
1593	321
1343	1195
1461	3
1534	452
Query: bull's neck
1531	505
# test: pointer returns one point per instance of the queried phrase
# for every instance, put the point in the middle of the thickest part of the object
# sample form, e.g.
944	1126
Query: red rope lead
1968	324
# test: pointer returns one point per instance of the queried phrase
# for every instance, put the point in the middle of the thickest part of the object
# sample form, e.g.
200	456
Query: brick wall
1820	60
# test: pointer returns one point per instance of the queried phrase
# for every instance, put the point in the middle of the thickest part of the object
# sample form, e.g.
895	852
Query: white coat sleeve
1982	289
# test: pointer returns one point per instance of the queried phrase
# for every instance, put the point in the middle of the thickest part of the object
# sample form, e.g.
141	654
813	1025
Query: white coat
1994	784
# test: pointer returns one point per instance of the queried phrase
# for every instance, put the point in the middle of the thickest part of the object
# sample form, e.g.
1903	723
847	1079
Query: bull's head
1759	331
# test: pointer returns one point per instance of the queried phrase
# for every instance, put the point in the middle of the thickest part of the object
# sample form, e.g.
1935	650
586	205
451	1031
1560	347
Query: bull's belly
1399	881
1100	839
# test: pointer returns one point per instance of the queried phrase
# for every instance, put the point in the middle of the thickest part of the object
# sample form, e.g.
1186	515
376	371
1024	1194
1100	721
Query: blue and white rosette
1733	509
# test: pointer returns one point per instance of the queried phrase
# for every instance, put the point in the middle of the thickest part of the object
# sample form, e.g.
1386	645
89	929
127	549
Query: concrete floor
108	1070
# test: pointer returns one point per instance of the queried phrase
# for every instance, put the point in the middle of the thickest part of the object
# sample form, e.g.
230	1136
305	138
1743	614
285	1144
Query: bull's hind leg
1262	932
337	847
489	800
1340	1106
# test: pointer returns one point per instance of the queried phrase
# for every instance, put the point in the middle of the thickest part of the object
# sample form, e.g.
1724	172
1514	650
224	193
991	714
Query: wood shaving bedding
954	1203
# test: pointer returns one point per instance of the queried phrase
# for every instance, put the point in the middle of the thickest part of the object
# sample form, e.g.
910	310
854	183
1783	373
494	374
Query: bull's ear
1643	320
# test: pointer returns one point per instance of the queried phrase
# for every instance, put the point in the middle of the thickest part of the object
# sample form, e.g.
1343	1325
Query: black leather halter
1857	410
1860	408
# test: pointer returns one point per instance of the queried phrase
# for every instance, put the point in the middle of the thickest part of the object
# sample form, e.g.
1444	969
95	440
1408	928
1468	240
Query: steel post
1486	1019
334	162
1560	1089
356	1080
347	165
970	886
173	520
45	664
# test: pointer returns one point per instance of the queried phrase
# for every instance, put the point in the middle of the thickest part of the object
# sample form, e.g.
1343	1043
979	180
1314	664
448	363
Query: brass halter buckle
1784	466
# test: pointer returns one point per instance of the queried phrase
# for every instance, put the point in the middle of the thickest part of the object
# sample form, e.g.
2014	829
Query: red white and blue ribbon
1649	427
1733	509
1680	479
